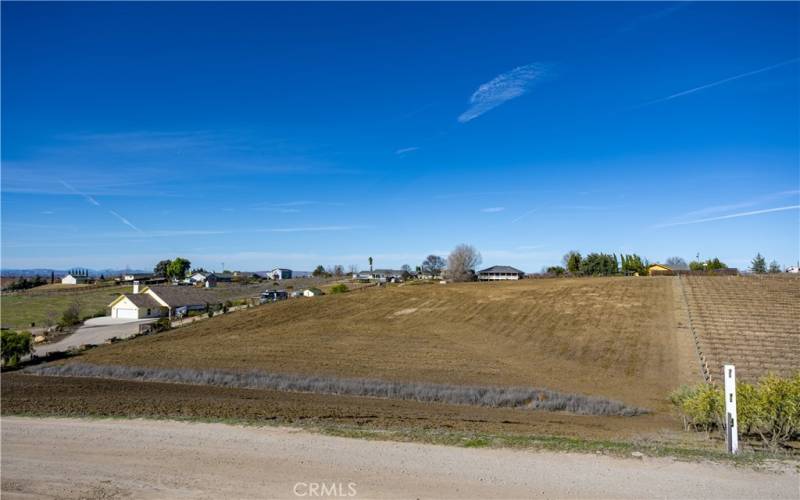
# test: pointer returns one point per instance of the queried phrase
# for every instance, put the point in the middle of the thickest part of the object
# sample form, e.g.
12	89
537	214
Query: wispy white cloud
170	233
503	88
492	210
654	16
403	151
291	207
47	212
312	229
719	82
730	216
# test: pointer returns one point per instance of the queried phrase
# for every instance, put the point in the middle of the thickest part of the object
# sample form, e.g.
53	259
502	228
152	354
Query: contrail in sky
731	216
720	82
97	204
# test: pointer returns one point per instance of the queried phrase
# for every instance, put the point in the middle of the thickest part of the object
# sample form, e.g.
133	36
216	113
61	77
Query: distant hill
63	272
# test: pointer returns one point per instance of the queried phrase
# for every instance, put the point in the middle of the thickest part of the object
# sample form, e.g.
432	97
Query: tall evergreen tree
759	264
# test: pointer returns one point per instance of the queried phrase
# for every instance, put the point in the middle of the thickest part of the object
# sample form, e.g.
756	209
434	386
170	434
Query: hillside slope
613	337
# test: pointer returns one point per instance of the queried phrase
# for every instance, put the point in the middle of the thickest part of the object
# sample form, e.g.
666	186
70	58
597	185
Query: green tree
714	264
599	264
572	261
178	267
162	268
697	266
774	267
555	270
15	345
633	264
759	264
319	272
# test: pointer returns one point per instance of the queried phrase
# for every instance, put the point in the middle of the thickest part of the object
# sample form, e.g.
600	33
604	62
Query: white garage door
126	313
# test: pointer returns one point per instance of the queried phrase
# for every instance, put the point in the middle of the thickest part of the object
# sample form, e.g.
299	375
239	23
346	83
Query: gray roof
179	296
501	269
142	300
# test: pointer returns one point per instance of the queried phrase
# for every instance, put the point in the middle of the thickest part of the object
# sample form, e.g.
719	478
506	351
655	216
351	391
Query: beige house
136	306
163	300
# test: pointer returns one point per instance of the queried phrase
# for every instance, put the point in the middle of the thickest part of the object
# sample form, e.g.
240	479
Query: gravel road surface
75	458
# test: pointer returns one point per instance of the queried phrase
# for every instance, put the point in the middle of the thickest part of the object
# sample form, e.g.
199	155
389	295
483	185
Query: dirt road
72	458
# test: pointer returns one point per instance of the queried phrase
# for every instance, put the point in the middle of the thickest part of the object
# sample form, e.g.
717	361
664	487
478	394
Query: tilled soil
68	396
617	338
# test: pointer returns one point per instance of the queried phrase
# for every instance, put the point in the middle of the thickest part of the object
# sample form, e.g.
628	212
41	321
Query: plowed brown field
612	337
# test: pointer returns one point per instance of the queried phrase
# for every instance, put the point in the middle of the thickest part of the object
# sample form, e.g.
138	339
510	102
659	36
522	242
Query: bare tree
462	261
433	265
338	270
677	263
352	269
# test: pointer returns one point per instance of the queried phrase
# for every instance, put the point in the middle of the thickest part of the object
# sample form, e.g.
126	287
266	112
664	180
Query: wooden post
731	420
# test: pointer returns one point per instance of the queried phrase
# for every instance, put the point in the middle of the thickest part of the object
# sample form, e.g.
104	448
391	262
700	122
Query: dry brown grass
610	337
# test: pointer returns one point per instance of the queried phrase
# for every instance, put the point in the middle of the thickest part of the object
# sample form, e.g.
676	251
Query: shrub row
511	397
769	410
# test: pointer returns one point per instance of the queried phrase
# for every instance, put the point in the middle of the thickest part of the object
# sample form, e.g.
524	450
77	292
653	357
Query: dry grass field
752	322
609	337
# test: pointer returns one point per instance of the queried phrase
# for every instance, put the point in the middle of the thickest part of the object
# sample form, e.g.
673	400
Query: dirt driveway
94	331
73	458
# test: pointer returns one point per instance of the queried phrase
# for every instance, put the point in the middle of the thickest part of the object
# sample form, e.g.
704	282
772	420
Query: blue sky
264	135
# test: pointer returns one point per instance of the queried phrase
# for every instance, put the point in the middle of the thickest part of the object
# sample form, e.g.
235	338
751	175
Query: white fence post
731	421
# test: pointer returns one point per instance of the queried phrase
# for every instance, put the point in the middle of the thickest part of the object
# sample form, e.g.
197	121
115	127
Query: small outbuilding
72	279
312	292
280	274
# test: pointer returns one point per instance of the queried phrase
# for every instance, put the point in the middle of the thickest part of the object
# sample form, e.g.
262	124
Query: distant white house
74	280
280	274
379	275
207	279
500	273
312	292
